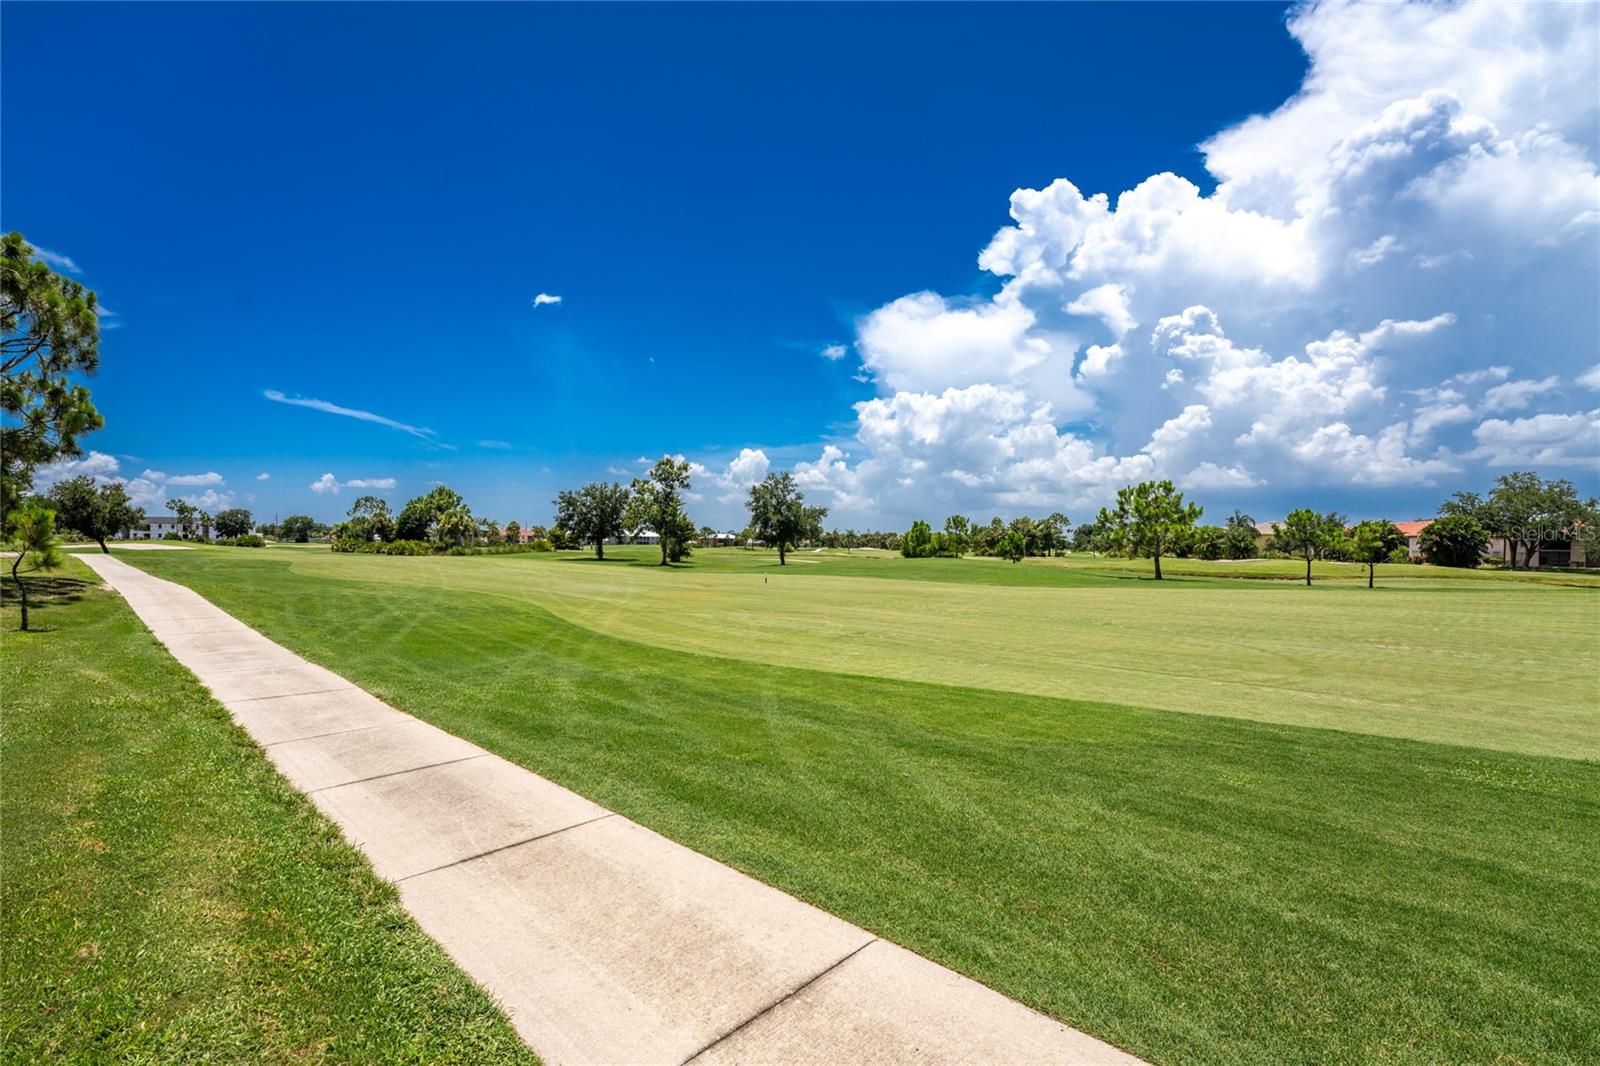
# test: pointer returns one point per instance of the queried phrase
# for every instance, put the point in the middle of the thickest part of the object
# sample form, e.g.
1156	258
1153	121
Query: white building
155	527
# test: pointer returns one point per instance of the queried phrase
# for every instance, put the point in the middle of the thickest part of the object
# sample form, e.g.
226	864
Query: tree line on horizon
1151	520
49	337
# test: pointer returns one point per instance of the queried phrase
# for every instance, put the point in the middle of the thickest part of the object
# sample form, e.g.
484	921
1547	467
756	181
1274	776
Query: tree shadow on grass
43	594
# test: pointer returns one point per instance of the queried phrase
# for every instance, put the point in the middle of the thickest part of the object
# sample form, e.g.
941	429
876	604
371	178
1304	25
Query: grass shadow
43	593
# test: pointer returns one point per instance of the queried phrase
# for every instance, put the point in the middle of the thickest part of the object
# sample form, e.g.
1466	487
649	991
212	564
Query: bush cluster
248	540
501	549
424	547
383	547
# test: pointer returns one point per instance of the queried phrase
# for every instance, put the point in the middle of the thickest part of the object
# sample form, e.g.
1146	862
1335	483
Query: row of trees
1523	510
439	517
1015	540
1111	531
602	511
1152	519
605	510
197	524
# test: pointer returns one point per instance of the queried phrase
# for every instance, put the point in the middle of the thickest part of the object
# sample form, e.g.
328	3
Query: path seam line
397	773
508	847
282	695
332	733
780	1001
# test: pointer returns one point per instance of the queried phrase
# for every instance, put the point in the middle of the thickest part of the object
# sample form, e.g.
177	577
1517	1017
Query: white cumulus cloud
1428	201
151	489
328	485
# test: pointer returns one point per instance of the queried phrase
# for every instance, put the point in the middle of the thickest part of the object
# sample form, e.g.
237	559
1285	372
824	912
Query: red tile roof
1414	529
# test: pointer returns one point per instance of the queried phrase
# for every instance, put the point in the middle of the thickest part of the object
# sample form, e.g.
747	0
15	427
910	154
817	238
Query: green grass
1195	888
166	897
1498	663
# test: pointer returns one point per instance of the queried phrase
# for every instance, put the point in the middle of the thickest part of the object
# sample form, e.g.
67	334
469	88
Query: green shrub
248	540
918	541
424	547
498	549
378	547
1454	540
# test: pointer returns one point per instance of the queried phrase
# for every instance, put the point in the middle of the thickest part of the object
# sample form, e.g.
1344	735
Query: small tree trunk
600	548
1371	566
22	590
1308	569
783	556
663	551
103	547
1158	566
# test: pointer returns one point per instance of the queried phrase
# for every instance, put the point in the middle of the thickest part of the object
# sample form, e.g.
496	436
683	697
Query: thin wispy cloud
349	412
833	352
56	261
497	444
545	298
210	477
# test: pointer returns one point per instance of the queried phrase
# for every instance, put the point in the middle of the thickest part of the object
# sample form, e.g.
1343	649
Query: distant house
1412	531
642	535
155	527
1552	551
719	540
1560	552
523	535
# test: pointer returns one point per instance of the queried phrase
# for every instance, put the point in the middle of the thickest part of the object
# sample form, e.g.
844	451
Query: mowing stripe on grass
1197	889
606	942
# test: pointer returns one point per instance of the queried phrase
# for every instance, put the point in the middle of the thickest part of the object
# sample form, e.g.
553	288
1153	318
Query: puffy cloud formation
150	490
1391	262
328	485
731	484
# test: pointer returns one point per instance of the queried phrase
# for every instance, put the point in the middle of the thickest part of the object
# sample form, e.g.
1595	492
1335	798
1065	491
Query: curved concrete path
603	941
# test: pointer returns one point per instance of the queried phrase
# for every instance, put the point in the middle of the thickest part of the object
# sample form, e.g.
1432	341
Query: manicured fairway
1493	662
1196	888
167	898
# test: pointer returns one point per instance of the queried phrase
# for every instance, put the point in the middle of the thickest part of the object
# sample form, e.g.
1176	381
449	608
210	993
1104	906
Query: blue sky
358	204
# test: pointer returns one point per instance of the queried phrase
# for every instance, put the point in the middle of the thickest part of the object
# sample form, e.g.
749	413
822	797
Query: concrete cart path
604	942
